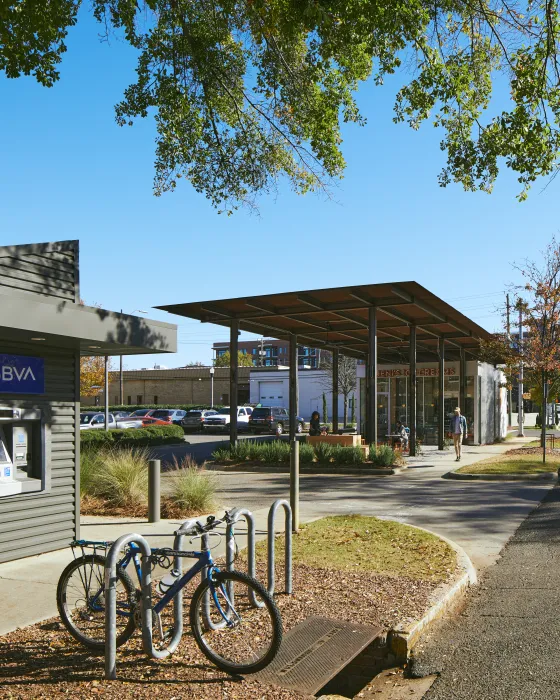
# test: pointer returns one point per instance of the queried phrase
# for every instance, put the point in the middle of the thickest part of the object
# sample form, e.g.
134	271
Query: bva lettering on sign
20	374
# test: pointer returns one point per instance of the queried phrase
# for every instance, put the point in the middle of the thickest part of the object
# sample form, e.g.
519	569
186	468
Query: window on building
155	400
139	399
254	351
129	400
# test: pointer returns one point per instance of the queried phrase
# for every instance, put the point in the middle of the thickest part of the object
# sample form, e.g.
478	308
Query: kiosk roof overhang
338	318
91	330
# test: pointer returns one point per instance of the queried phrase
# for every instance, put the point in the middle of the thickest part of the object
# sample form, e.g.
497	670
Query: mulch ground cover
43	661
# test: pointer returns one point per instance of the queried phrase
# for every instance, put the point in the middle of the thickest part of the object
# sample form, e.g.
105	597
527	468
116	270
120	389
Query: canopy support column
371	378
294	444
233	379
335	359
462	382
412	393
441	393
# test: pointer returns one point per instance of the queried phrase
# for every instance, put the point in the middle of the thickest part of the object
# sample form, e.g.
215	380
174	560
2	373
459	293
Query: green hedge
133	437
182	407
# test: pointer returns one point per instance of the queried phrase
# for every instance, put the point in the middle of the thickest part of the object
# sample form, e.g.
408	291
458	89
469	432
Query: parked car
94	419
220	421
135	419
272	419
194	420
165	416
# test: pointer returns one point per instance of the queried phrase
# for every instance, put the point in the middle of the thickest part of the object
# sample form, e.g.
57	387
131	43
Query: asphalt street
506	644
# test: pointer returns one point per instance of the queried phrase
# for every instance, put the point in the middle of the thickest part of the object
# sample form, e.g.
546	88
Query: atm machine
21	458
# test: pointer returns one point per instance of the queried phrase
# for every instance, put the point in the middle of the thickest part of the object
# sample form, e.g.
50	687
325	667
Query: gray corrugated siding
35	523
49	270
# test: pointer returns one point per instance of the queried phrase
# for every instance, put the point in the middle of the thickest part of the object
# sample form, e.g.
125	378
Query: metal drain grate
314	651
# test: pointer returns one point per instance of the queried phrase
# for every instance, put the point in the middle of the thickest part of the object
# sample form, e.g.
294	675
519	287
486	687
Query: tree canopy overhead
245	92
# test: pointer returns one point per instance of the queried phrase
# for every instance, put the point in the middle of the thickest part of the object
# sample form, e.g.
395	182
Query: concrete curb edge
307	470
403	638
465	476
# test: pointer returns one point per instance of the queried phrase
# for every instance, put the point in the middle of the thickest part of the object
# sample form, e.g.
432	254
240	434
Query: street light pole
520	432
212	370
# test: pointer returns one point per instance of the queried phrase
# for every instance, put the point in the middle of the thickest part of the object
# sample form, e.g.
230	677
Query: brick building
184	385
268	352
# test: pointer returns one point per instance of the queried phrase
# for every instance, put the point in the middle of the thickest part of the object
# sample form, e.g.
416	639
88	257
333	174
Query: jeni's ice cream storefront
485	399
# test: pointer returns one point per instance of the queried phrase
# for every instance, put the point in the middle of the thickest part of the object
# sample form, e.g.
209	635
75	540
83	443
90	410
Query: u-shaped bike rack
146	589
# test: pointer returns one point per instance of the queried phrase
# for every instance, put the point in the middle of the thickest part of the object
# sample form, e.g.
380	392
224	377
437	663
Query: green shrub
91	462
306	453
382	456
97	437
192	488
275	452
120	477
324	452
348	455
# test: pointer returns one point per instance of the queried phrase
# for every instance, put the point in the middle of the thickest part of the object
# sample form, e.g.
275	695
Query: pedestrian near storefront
458	431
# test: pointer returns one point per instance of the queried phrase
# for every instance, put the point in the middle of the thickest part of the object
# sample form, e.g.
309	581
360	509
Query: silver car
194	420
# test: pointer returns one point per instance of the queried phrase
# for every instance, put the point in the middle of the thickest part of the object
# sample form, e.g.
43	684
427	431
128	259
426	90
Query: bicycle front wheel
237	637
80	598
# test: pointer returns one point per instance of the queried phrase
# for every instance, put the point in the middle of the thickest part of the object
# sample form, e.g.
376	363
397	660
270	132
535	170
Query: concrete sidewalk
506	643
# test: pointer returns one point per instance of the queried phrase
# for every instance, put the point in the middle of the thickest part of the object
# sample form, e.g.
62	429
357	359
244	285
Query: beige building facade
185	385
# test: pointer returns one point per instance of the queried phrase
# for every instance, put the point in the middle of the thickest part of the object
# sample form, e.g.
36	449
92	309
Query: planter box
344	440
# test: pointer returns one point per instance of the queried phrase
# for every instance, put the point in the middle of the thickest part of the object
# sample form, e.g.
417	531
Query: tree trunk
345	410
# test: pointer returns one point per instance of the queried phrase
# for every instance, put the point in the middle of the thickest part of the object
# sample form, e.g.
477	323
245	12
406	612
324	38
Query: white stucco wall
311	389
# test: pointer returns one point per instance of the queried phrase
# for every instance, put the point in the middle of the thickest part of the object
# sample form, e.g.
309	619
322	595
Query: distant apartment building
267	352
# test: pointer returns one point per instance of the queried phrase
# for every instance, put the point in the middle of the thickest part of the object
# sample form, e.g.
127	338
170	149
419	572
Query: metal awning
64	324
337	318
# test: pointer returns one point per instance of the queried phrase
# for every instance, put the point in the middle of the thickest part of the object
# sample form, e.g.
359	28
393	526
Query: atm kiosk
21	451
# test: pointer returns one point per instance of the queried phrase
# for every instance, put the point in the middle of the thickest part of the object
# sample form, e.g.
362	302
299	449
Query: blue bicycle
234	620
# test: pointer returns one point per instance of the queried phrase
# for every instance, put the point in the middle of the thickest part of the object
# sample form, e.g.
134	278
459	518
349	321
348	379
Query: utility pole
520	432
510	392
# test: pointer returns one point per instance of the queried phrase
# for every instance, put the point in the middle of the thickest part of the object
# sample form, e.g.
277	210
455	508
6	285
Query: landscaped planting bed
358	569
522	460
322	453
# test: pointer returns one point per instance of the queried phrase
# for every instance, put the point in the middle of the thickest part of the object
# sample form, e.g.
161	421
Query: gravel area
43	661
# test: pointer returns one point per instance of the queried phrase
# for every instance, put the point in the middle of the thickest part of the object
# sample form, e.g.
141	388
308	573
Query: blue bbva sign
22	375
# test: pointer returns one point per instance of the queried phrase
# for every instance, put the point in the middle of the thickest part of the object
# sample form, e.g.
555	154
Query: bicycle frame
205	561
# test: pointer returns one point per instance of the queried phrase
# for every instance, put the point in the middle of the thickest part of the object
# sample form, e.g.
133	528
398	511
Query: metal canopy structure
389	323
338	319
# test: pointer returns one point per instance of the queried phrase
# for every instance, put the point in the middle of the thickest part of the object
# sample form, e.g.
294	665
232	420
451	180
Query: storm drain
314	651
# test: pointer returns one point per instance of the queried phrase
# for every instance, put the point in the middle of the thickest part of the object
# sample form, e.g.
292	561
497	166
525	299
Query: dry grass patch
356	543
523	460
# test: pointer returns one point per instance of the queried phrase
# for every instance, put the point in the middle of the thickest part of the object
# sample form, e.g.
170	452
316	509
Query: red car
164	416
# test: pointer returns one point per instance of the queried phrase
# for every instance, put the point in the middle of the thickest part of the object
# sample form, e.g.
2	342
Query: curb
307	470
403	638
464	476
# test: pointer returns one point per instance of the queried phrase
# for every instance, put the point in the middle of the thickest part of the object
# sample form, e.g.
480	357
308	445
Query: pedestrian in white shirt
458	431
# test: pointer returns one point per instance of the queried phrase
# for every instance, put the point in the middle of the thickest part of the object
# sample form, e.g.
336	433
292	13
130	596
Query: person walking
458	430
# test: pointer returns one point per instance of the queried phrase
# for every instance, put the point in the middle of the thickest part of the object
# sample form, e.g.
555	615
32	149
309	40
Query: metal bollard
287	546
154	496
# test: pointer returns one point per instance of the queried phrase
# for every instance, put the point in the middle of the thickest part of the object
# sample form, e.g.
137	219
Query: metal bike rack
110	599
287	546
235	515
187	528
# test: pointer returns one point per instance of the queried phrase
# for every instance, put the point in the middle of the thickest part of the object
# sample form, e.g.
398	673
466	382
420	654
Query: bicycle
239	632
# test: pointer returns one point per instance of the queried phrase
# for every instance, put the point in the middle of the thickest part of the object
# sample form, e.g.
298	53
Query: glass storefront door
383	427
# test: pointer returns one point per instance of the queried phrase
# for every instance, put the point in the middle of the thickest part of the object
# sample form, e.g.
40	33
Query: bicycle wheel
80	598
250	637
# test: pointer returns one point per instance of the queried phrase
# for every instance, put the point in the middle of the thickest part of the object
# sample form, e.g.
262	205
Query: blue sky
68	171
